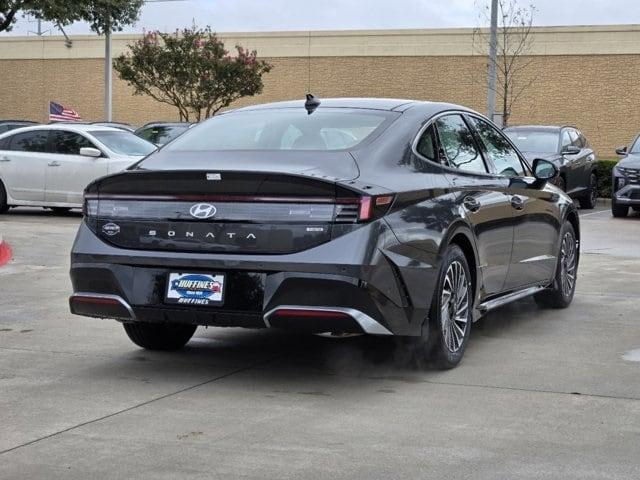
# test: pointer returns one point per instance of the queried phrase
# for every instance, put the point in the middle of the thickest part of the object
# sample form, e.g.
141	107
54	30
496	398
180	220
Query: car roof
78	127
540	128
165	124
365	103
422	107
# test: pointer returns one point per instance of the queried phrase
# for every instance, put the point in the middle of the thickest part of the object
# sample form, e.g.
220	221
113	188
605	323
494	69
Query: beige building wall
584	76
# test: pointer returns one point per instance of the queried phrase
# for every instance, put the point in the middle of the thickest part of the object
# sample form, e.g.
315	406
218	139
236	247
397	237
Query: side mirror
90	152
570	150
544	170
621	150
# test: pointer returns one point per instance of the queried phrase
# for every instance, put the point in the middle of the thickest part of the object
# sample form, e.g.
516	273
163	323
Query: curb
5	252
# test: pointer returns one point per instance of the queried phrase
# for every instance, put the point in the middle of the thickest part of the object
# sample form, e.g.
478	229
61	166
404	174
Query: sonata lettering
207	235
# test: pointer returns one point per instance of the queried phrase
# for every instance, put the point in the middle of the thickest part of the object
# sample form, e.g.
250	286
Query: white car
50	165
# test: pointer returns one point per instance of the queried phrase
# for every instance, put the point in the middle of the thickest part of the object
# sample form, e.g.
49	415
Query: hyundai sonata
377	216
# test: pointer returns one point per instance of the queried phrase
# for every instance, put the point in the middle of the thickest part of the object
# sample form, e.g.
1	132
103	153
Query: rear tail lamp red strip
372	207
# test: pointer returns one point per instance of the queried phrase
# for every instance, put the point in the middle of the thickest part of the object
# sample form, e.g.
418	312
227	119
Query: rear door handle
54	164
517	202
471	204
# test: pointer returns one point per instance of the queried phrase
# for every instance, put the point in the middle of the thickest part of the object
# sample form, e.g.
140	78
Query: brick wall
597	93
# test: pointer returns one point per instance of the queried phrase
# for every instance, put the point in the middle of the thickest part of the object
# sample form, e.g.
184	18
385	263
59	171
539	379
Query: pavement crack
142	404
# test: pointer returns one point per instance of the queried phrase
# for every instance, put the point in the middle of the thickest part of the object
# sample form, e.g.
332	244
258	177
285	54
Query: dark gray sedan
569	150
362	215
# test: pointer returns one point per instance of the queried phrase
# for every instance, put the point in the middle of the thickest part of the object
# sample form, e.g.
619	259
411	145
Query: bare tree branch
514	45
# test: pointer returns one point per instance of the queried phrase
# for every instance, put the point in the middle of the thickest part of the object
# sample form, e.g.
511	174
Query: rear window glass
161	135
285	129
534	141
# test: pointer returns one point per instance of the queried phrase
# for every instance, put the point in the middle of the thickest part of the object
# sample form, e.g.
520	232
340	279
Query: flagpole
108	81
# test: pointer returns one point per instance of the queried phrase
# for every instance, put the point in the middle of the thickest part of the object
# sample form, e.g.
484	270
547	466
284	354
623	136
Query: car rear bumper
350	284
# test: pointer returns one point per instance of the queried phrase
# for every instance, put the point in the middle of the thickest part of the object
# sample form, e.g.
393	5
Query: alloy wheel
454	306
568	264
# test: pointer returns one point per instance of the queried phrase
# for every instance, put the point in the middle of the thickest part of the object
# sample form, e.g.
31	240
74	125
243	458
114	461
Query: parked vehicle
571	153
625	182
421	220
120	125
50	165
161	133
6	125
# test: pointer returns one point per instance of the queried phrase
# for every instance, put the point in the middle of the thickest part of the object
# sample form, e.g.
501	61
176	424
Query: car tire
60	210
4	207
561	292
589	200
619	211
159	336
446	339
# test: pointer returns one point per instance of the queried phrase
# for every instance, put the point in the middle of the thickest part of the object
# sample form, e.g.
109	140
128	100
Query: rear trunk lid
220	210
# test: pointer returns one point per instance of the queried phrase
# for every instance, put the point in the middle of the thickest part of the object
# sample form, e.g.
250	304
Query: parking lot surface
539	394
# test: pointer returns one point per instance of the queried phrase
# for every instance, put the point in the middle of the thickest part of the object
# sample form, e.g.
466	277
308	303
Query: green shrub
604	176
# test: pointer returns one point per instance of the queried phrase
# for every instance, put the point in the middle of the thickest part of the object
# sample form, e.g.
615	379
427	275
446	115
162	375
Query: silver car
50	165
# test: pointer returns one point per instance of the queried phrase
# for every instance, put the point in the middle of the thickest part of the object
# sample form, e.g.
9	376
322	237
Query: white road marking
632	355
595	213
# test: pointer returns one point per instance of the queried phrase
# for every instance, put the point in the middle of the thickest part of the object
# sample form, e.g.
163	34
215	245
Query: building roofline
548	40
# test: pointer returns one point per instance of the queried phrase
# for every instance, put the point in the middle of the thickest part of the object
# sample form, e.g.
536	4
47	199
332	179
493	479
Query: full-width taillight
235	208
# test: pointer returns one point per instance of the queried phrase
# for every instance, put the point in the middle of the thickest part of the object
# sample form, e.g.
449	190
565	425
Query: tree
192	71
102	15
515	24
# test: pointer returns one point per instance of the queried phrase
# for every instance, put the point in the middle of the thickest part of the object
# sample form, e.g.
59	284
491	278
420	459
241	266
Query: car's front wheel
60	210
159	336
589	200
4	207
451	311
560	293
619	211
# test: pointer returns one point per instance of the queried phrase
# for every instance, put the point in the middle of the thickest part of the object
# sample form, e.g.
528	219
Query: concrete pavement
540	393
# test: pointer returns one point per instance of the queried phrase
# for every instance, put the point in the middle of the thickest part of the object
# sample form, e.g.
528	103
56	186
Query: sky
275	15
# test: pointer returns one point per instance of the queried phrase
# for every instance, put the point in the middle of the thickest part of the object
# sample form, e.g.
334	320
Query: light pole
493	59
108	78
108	67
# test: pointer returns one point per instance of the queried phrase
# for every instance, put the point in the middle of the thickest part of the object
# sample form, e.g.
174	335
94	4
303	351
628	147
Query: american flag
58	113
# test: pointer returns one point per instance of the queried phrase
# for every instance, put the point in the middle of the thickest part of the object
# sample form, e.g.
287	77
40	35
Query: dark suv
625	182
378	216
569	150
160	133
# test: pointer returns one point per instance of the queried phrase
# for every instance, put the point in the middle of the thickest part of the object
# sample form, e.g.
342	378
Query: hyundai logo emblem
202	211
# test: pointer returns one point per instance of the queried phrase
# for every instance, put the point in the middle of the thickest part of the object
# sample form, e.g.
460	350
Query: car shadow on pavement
285	353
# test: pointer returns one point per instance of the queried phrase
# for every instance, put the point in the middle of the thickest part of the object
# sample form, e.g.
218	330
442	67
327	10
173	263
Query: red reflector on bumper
96	300
298	313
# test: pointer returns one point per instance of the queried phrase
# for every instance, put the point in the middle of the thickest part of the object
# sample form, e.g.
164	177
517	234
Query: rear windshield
285	129
124	143
161	134
534	141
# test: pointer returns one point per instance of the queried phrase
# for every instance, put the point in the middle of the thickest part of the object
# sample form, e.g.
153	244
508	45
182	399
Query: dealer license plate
195	289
